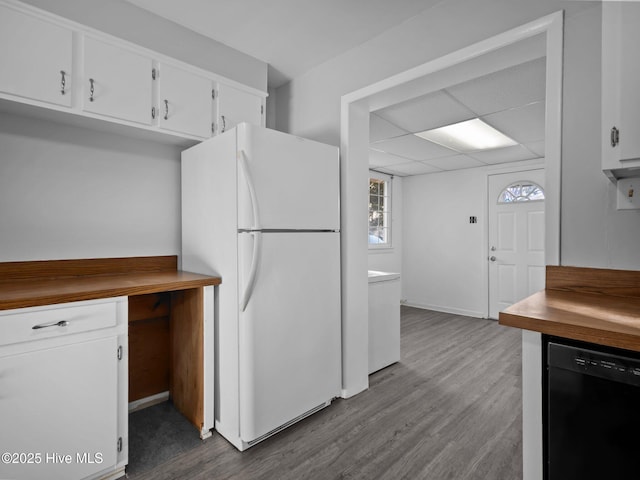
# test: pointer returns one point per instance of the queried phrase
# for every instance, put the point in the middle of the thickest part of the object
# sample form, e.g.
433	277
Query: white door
117	82
62	404
185	102
33	57
290	351
287	181
516	238
236	106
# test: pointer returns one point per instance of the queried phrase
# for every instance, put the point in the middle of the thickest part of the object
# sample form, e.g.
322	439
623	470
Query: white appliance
384	319
260	208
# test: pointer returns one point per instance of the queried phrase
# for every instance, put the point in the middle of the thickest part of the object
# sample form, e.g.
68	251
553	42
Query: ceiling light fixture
468	136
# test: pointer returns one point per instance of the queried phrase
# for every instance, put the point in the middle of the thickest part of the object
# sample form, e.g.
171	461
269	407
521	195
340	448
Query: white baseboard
440	308
148	401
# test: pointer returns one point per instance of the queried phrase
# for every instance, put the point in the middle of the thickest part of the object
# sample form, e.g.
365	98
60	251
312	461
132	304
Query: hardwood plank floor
450	409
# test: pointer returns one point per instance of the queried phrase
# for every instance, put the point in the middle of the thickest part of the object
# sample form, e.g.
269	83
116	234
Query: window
379	212
521	192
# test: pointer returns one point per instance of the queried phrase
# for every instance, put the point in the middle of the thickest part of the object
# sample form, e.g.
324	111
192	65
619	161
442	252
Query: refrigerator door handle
253	271
244	165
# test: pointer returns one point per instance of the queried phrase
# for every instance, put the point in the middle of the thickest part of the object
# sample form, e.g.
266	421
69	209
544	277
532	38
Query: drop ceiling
511	100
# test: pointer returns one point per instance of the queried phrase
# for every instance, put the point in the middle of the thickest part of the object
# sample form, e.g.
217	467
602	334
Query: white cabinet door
59	406
117	82
33	56
620	79
236	106
185	102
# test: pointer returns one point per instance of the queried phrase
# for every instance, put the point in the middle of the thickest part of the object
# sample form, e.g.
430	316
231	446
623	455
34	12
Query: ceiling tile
412	147
383	159
426	112
455	163
389	171
505	89
524	124
536	147
381	129
411	168
504	155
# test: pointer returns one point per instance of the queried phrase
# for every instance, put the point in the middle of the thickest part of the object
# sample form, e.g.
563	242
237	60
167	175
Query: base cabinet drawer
36	323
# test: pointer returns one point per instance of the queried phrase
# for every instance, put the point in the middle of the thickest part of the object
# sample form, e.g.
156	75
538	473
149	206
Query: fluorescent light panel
468	136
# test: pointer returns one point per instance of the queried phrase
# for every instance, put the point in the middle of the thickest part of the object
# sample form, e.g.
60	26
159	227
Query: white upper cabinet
35	58
185	101
90	78
620	92
117	82
236	106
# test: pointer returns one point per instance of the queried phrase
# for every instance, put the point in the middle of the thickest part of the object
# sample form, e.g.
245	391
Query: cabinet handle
166	109
61	323
63	81
224	124
615	136
91	90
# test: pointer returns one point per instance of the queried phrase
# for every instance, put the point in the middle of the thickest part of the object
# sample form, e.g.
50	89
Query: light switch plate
629	193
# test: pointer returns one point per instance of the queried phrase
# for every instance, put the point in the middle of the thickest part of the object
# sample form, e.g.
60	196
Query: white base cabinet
63	401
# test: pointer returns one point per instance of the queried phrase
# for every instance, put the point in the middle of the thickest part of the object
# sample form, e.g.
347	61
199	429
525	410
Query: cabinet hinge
615	136
119	444
155	73
120	352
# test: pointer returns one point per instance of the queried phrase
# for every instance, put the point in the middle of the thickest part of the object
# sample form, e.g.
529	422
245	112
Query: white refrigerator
260	208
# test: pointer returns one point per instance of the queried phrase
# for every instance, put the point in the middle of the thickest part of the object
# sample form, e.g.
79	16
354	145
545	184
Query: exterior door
516	237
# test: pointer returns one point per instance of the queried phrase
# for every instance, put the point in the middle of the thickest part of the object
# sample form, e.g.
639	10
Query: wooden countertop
29	284
593	305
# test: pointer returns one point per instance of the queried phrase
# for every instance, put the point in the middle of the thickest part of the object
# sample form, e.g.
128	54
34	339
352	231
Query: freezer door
290	350
286	182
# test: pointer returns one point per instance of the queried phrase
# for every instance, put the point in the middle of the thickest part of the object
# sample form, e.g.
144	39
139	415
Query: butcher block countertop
593	305
30	284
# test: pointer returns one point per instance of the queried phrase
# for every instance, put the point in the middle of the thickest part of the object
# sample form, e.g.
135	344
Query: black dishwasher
592	412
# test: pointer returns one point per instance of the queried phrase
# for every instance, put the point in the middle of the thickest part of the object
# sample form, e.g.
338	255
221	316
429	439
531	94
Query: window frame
387	212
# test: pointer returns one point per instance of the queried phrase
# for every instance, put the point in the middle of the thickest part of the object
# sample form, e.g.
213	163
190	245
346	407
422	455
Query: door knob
492	258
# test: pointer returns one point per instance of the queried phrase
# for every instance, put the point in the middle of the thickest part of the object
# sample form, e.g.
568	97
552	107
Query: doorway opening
355	112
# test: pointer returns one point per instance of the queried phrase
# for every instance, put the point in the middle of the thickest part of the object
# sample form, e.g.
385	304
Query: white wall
390	259
443	254
592	232
68	192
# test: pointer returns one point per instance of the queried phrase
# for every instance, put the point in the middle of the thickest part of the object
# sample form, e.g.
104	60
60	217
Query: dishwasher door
592	414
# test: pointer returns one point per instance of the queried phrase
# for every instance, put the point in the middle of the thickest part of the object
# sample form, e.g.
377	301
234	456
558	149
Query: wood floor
451	409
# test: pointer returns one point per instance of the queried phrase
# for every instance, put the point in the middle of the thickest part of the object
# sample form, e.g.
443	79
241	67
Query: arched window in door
521	192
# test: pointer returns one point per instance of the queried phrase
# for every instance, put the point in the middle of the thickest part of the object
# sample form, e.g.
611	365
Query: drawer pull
61	323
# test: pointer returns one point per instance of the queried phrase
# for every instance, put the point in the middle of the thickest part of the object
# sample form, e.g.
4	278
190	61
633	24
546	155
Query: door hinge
119	444
213	93
615	136
120	352
213	127
155	73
